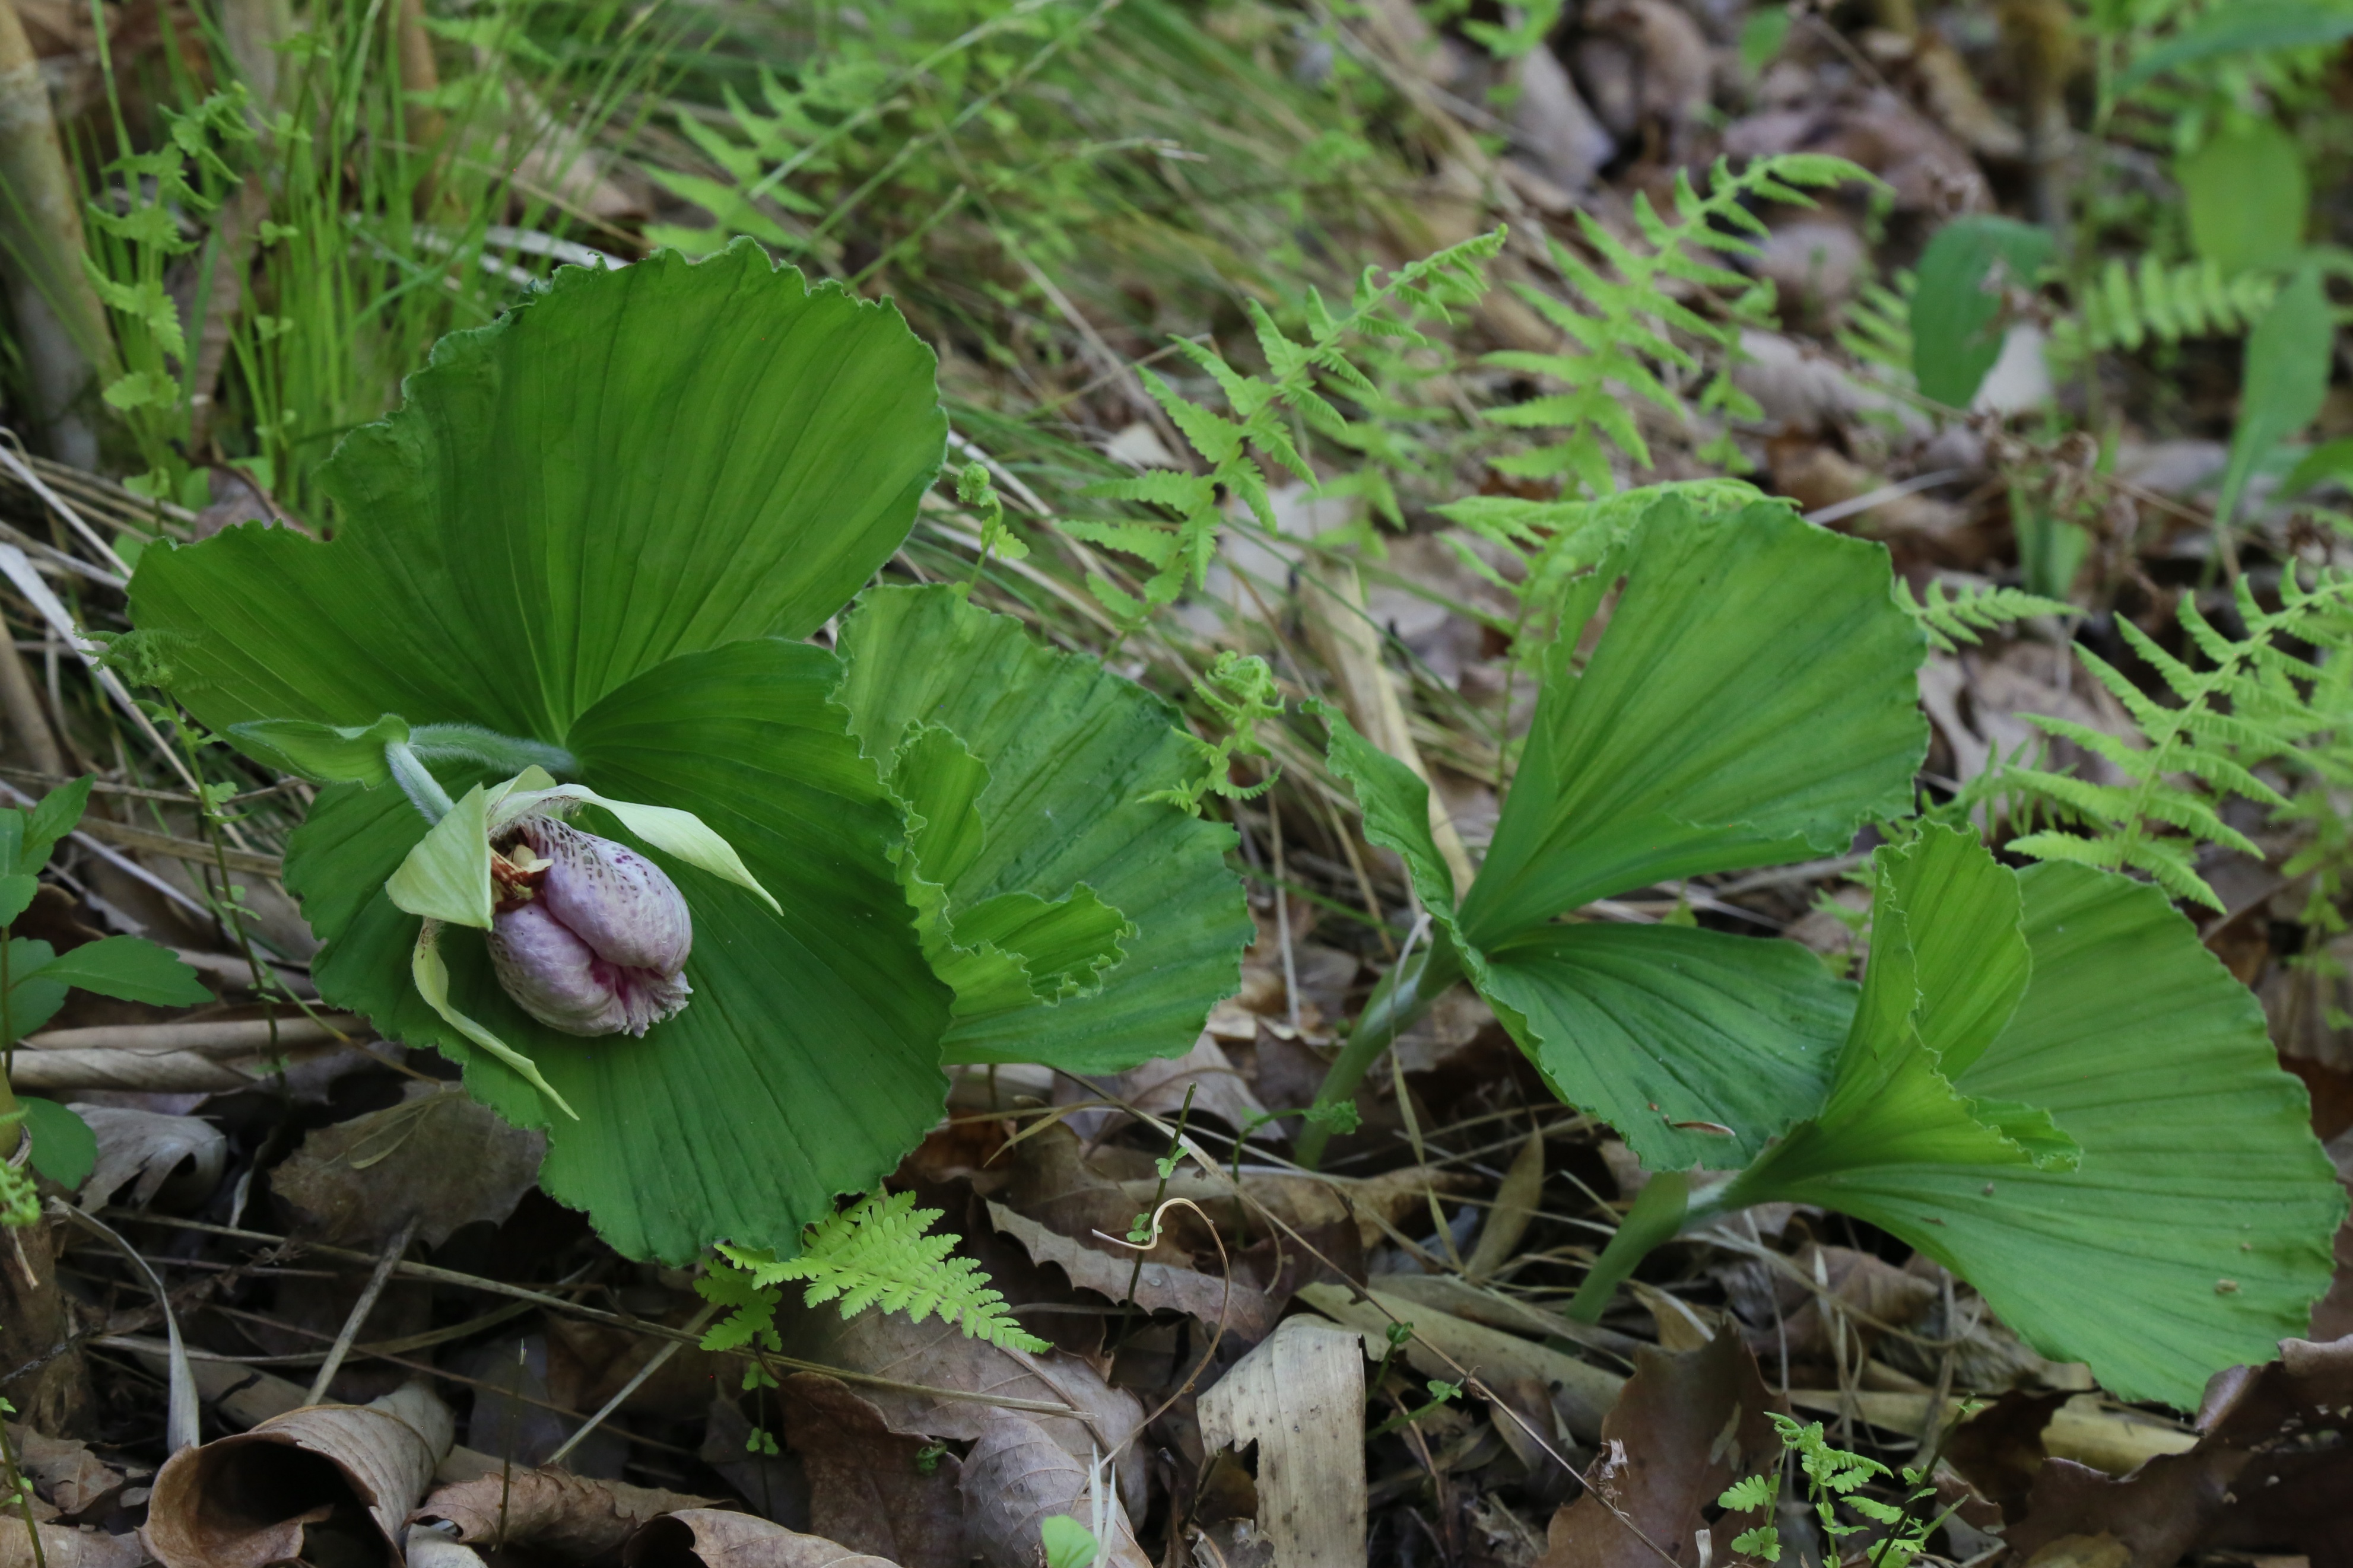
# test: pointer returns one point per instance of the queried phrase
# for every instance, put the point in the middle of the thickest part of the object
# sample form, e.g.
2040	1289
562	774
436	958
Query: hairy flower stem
1403	995
464	743
423	790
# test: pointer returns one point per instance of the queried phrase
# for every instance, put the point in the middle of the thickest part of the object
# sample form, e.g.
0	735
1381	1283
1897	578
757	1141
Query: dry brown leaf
1580	1392
1687	1424
1863	1292
70	1546
1159	1087
568	1517
588	1364
1052	1182
1952	96
938	1355
1245	1311
1644	60
63	1471
1817	476
1815	260
868	1486
151	1149
1517	1202
1017	1476
439	1157
706	1537
1307	1202
1300	1397
1555	131
2269	1473
246	1500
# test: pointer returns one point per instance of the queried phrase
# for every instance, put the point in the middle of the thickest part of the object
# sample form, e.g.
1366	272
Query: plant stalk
1403	995
68	349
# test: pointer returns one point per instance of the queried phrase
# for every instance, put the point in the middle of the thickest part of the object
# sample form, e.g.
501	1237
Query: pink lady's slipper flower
587	935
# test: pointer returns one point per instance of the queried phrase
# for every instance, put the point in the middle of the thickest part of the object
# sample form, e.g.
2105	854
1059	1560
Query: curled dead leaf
152	1150
351	1471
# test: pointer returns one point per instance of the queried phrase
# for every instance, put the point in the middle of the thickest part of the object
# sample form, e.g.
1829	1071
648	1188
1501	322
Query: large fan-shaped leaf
807	1062
1696	1045
2194	1229
1751	700
575	533
633	465
1066	844
1948	961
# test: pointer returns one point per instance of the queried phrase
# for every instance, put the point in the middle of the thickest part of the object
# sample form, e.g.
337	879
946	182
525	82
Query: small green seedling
1833	1475
1067	1542
34	980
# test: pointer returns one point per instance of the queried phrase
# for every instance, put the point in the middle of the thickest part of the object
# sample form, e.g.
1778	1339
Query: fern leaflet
1622	320
1951	619
1876	327
1240	689
2125	307
1266	417
1549	544
2253	703
872	1254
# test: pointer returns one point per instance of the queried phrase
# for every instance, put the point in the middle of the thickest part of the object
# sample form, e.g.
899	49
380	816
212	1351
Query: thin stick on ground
362	1307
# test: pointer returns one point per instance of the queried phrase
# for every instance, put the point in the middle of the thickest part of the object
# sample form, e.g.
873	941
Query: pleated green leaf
1752	700
808	1061
1948	961
632	465
1696	1045
2192	1230
579	533
1122	911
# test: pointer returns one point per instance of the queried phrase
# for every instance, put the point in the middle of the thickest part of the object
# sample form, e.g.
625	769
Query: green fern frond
1622	317
2126	305
2240	707
1552	543
1257	428
1239	690
1876	326
874	1254
1951	618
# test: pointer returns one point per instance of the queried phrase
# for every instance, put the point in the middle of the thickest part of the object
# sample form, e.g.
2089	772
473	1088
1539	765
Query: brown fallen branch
133	1072
148	842
224	1037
